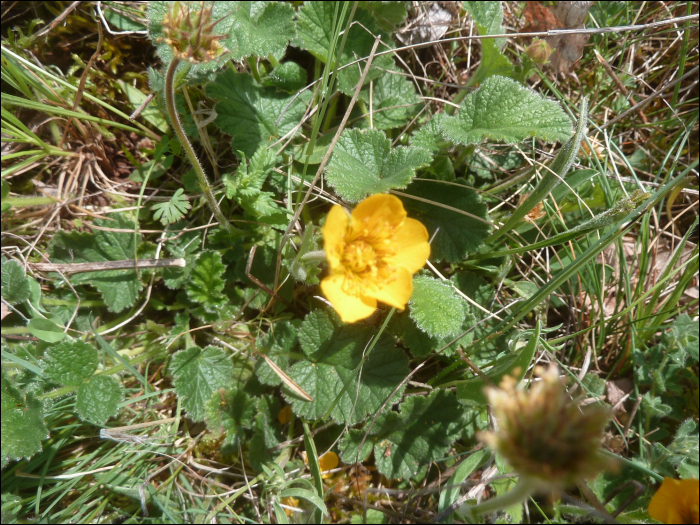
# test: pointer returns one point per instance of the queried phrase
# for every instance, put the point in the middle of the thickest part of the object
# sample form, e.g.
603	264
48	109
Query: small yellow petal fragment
285	415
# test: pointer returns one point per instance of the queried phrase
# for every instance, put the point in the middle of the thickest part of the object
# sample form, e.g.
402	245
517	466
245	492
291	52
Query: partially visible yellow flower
676	501
372	254
289	502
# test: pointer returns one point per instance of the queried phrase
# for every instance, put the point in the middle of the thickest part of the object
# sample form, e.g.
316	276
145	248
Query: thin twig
70	268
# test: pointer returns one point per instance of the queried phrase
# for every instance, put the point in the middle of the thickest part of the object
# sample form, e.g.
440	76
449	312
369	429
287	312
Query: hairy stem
187	147
522	490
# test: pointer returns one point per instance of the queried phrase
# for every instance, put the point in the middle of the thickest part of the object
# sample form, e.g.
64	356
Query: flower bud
539	52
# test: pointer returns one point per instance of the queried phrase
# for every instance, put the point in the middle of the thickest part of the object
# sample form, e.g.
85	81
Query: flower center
359	257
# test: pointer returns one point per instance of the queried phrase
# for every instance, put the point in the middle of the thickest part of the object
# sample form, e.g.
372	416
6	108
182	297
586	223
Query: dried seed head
188	29
545	435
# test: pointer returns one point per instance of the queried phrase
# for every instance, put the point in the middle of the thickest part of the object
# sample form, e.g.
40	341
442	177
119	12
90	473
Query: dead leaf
568	49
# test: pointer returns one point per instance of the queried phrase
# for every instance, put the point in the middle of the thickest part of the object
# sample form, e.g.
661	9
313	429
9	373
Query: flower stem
187	147
522	490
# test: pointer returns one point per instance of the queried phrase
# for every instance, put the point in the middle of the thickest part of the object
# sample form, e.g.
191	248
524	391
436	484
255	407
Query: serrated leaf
254	116
197	374
289	77
98	399
315	30
333	353
421	344
46	330
15	285
429	135
422	432
119	288
363	163
503	109
206	282
173	210
70	362
230	412
394	101
435	307
457	234
23	426
260	28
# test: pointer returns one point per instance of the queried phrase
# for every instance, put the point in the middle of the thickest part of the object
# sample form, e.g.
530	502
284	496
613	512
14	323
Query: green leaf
503	109
98	399
435	307
277	344
421	344
387	14
15	285
429	135
197	374
230	412
259	28
4	193
315	30
173	210
46	330
488	17
23	426
457	234
119	288
254	116
493	62
70	362
206	282
498	160
515	364
267	431
333	354
681	340
245	186
452	489
289	77
394	101
363	163
422	431
151	113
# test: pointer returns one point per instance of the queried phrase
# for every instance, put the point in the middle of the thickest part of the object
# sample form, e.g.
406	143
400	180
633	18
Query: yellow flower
676	501
372	254
289	502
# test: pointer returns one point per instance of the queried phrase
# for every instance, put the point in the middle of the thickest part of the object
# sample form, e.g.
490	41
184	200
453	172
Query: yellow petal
334	235
328	462
350	308
285	415
411	240
676	501
380	207
396	292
